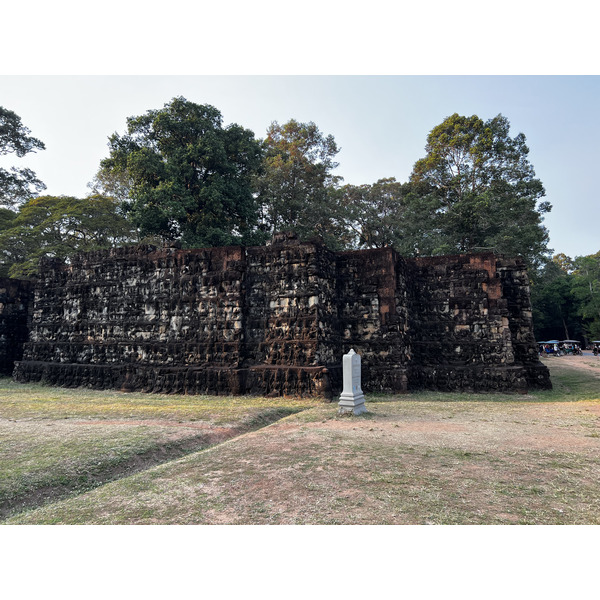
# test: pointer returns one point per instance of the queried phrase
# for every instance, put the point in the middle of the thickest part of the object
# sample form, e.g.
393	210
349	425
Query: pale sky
380	122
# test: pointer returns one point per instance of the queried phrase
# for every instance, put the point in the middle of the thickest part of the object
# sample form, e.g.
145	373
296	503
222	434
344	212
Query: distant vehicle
572	347
596	348
550	348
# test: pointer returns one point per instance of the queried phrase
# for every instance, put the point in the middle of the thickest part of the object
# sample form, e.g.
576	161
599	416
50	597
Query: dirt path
588	362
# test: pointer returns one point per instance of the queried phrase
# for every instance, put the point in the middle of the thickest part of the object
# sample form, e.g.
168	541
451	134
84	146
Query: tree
186	176
60	226
297	188
390	213
374	213
564	262
7	218
17	185
586	288
483	190
556	311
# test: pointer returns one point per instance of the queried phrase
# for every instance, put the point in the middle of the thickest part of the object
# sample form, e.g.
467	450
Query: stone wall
460	328
373	315
515	288
14	306
277	320
290	293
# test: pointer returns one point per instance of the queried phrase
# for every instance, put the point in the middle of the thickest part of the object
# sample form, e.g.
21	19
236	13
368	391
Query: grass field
85	457
57	442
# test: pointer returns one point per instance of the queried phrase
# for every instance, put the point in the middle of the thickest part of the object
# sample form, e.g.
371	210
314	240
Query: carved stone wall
460	330
277	320
373	313
15	298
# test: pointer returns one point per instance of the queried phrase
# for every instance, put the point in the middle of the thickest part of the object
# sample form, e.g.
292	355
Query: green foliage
565	296
60	226
7	218
586	288
297	189
564	262
555	308
374	212
390	213
186	176
17	185
481	190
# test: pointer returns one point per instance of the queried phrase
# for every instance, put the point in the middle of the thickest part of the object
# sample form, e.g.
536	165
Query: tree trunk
566	330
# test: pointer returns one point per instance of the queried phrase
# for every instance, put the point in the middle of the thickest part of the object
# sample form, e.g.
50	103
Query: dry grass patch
56	442
35	401
404	463
413	459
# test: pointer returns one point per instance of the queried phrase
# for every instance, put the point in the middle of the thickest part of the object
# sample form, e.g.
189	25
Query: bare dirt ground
410	460
517	465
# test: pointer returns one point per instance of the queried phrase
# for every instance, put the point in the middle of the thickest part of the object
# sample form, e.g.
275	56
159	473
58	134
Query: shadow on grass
63	486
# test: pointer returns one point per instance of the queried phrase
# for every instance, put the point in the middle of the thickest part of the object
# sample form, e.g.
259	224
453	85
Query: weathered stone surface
373	315
352	400
277	320
471	326
15	296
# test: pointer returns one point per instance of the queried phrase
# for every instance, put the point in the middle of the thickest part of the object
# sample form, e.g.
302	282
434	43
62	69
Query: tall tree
297	187
556	311
60	226
586	288
7	218
374	212
484	193
186	176
17	185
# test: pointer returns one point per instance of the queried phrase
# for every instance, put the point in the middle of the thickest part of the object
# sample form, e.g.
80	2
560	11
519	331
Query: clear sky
380	123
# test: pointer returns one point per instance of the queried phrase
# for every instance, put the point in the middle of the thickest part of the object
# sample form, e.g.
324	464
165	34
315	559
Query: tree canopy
59	226
586	289
482	189
178	174
17	184
297	186
555	309
565	296
374	213
390	213
186	176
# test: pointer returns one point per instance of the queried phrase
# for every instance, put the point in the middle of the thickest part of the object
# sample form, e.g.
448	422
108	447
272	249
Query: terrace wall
277	320
15	296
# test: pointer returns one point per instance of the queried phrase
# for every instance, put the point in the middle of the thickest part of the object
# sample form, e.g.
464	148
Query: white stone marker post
352	399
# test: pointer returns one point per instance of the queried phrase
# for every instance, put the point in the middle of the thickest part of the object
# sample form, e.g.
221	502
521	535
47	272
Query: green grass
36	401
419	458
568	385
37	457
56	442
